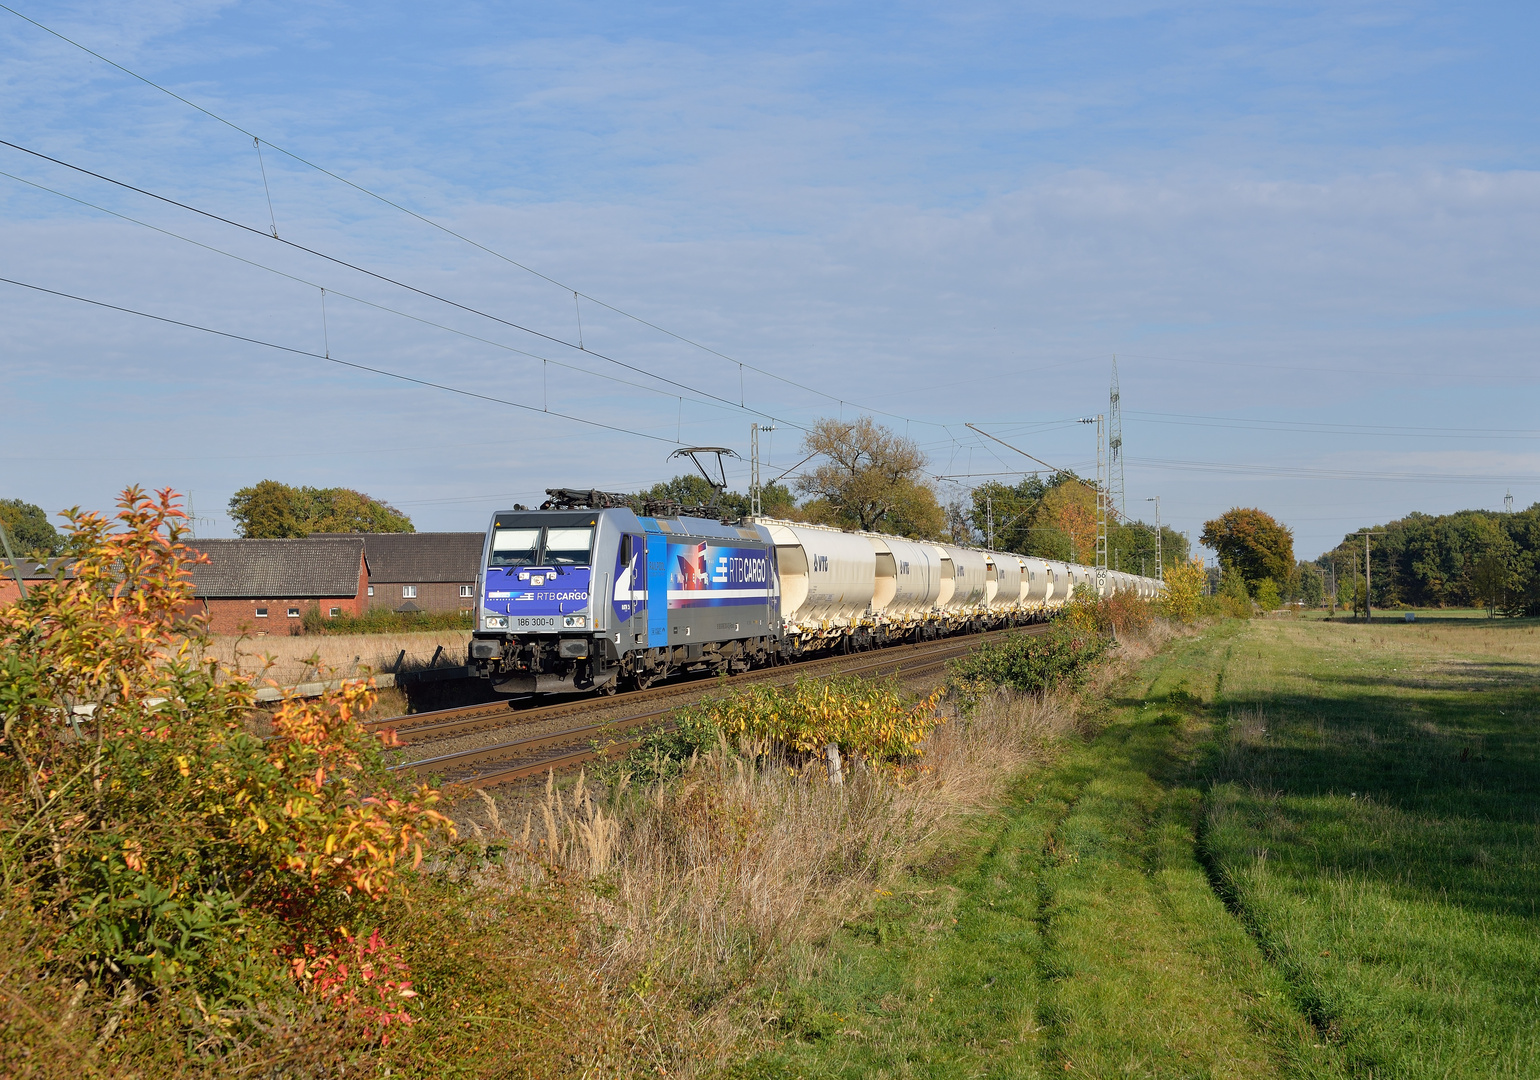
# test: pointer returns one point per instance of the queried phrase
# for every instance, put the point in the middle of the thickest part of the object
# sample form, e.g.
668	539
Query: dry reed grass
296	659
735	870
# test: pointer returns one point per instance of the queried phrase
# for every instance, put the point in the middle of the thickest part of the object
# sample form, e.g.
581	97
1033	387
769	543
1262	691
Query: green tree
1014	509
29	529
1268	598
272	510
871	478
1131	547
1234	597
1311	591
1353	596
1252	544
775	500
1055	519
1489	583
346	510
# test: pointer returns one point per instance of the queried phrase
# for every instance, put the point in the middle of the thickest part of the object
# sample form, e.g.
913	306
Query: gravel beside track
485	745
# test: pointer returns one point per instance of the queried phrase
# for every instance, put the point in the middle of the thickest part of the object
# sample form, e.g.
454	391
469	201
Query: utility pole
21	577
1102	500
1160	564
1115	446
756	507
1368	604
989	519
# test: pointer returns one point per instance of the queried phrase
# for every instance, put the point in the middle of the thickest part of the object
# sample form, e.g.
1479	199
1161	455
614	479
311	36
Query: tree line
1472	558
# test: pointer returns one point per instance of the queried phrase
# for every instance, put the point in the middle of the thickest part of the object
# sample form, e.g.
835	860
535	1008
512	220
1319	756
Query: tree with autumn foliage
1070	507
154	849
1253	544
869	478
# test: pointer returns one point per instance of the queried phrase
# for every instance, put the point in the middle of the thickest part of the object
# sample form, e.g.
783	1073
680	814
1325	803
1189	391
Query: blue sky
1307	231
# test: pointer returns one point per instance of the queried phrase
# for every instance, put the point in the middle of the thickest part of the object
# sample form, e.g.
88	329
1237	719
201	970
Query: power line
334	360
1330	474
392	281
359	299
1320	428
1276	368
258	140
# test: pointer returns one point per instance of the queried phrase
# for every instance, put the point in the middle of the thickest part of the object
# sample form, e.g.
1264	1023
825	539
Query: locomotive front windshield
515	547
568	547
551	545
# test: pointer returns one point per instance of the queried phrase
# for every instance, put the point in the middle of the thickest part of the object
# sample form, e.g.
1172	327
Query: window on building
335	612
409	592
261	612
371	590
294	613
466	590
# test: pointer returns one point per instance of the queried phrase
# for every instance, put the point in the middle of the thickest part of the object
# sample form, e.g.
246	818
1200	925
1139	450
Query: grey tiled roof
35	569
278	569
423	557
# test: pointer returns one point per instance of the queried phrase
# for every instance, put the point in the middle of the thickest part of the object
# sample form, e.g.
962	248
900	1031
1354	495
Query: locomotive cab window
515	547
568	547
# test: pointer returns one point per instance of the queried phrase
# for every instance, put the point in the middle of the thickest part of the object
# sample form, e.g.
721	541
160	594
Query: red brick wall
240	616
431	595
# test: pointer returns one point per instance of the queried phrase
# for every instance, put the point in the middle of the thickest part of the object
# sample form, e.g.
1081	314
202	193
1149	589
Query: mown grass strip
1073	931
1374	818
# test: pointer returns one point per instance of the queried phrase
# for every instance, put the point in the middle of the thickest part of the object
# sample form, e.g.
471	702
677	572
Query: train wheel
643	679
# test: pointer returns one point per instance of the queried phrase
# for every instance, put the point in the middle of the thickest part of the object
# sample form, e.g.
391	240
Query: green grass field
1296	848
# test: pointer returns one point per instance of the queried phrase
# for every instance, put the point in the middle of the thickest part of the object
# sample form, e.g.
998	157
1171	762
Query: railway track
516	759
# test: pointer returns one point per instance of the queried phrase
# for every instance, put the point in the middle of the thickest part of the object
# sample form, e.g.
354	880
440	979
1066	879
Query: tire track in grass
1077	933
1051	966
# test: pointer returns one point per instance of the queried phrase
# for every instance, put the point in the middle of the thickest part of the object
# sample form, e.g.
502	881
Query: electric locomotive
586	594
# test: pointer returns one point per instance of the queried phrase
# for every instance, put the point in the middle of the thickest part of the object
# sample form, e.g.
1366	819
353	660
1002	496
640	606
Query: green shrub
385	621
154	849
1184	590
1120	613
1027	663
873	717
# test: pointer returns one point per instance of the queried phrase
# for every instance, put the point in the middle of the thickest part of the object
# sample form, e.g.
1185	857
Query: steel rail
935	658
443	723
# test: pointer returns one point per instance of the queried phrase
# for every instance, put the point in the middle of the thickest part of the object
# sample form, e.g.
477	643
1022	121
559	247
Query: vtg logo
820	564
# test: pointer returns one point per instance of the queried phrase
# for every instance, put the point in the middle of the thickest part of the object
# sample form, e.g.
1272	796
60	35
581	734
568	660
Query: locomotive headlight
496	622
570	622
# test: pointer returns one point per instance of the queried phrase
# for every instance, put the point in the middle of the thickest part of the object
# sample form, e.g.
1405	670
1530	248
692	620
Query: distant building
432	571
33	571
264	586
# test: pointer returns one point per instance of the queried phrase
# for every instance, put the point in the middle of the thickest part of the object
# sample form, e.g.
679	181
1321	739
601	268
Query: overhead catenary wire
1304	472
265	189
389	280
361	189
544	360
333	360
1312	427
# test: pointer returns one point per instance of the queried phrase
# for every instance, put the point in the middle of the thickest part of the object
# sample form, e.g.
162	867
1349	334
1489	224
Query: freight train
587	595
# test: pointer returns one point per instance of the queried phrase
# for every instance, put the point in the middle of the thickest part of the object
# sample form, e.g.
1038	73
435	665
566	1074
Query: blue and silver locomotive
597	598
